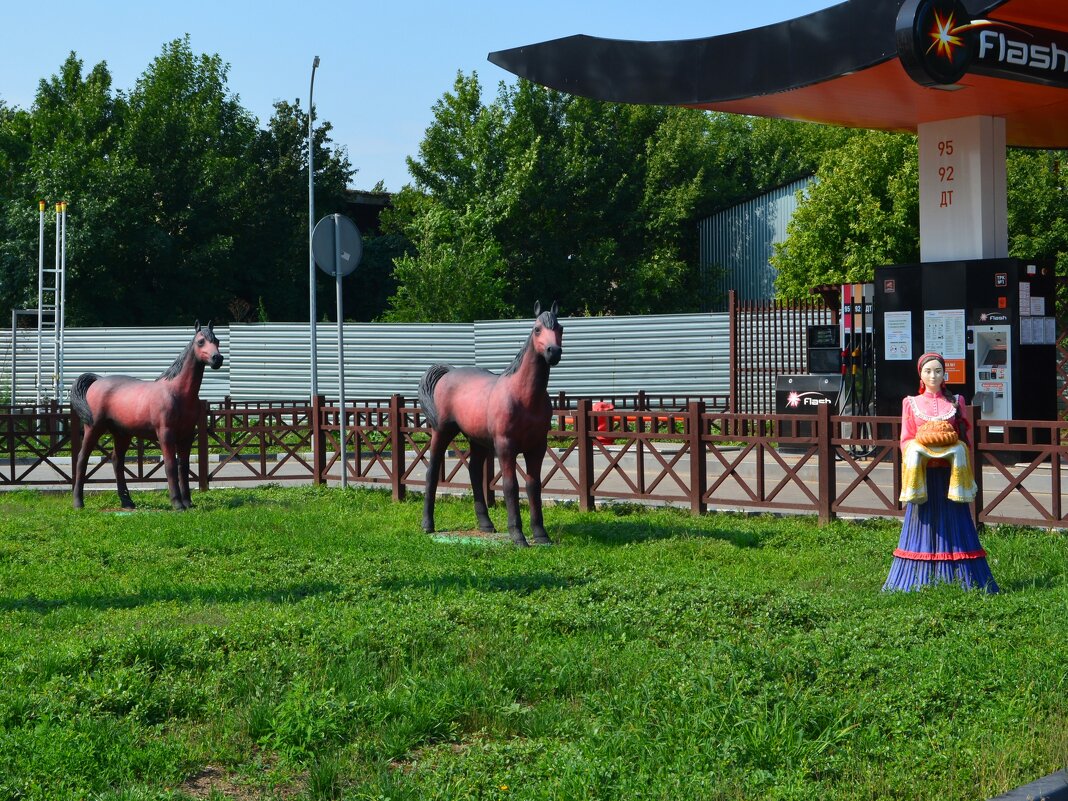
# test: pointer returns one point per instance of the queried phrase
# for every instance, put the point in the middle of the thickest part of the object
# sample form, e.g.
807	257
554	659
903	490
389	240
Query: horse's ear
554	309
537	308
210	326
196	327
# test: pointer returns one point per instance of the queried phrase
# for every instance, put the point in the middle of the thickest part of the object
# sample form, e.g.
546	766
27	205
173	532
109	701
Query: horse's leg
185	445
510	486
476	464
90	436
537	524
169	448
120	441
439	441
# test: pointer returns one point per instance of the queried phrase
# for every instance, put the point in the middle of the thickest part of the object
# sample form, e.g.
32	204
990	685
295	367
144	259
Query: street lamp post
311	228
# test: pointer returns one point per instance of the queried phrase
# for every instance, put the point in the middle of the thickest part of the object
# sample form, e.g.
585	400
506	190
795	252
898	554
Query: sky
382	67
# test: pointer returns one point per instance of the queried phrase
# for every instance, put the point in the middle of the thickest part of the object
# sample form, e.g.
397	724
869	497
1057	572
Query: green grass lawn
306	643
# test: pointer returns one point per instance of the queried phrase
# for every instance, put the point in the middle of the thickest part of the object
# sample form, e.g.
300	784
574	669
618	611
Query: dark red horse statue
507	414
166	409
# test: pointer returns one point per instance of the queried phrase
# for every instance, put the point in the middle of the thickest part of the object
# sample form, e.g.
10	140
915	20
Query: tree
457	275
279	223
558	197
1038	210
862	212
180	205
60	151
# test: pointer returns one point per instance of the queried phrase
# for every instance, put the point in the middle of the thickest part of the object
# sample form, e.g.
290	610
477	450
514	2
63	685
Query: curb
1049	788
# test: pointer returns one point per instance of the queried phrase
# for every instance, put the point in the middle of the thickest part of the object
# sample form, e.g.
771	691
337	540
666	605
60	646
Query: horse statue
167	409
508	414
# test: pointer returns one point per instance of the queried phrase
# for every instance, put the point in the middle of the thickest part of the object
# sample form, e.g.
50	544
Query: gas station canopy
878	64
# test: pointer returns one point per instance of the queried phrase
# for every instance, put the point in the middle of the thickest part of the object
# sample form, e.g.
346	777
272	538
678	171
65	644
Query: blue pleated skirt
939	543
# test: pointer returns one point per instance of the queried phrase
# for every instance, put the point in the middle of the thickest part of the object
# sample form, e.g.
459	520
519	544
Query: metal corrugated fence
140	352
684	354
271	360
736	245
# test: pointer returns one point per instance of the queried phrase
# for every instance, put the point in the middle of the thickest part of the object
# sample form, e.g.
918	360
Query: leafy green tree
14	152
180	205
593	204
278	225
1038	209
458	274
61	151
189	139
862	212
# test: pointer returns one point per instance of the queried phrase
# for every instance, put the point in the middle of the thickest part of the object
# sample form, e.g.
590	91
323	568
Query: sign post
337	248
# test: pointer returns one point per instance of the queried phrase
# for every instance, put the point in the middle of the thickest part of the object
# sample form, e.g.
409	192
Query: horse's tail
430	380
77	397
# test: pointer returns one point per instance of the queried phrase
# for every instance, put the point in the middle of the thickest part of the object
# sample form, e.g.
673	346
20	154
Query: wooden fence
672	450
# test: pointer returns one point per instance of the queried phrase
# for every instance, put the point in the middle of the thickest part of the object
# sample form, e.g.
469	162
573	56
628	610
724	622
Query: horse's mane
547	319
176	369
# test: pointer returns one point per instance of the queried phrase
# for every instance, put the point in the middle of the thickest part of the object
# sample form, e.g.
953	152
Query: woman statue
938	542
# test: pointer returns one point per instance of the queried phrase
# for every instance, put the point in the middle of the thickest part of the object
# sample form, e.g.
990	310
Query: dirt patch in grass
213	779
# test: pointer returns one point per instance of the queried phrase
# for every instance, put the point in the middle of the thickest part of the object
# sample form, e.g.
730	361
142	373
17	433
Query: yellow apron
962	486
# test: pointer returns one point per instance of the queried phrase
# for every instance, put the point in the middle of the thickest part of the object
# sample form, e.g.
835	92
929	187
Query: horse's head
547	338
206	346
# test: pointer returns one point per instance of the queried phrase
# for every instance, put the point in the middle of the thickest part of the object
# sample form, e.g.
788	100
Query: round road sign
347	251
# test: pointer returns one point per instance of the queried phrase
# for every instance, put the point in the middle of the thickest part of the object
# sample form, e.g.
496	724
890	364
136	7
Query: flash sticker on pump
954	371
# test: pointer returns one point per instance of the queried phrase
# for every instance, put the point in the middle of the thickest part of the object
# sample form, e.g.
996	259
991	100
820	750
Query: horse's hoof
520	540
490	529
79	503
428	528
542	540
128	505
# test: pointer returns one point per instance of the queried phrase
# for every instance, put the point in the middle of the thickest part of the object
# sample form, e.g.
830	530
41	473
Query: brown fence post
732	357
315	411
825	448
53	423
585	454
75	442
976	414
228	422
202	447
396	444
698	467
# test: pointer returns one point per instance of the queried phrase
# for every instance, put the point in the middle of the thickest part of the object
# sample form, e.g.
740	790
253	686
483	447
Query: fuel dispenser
992	320
858	349
857	320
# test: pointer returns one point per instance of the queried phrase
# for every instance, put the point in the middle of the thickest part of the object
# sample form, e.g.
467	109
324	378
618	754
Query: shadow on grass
522	584
157	500
280	595
1050	582
623	532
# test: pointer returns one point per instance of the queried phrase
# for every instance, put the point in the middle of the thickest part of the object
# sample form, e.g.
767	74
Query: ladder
51	298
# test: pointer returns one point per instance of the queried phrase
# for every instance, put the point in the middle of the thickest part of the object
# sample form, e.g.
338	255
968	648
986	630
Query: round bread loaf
936	434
